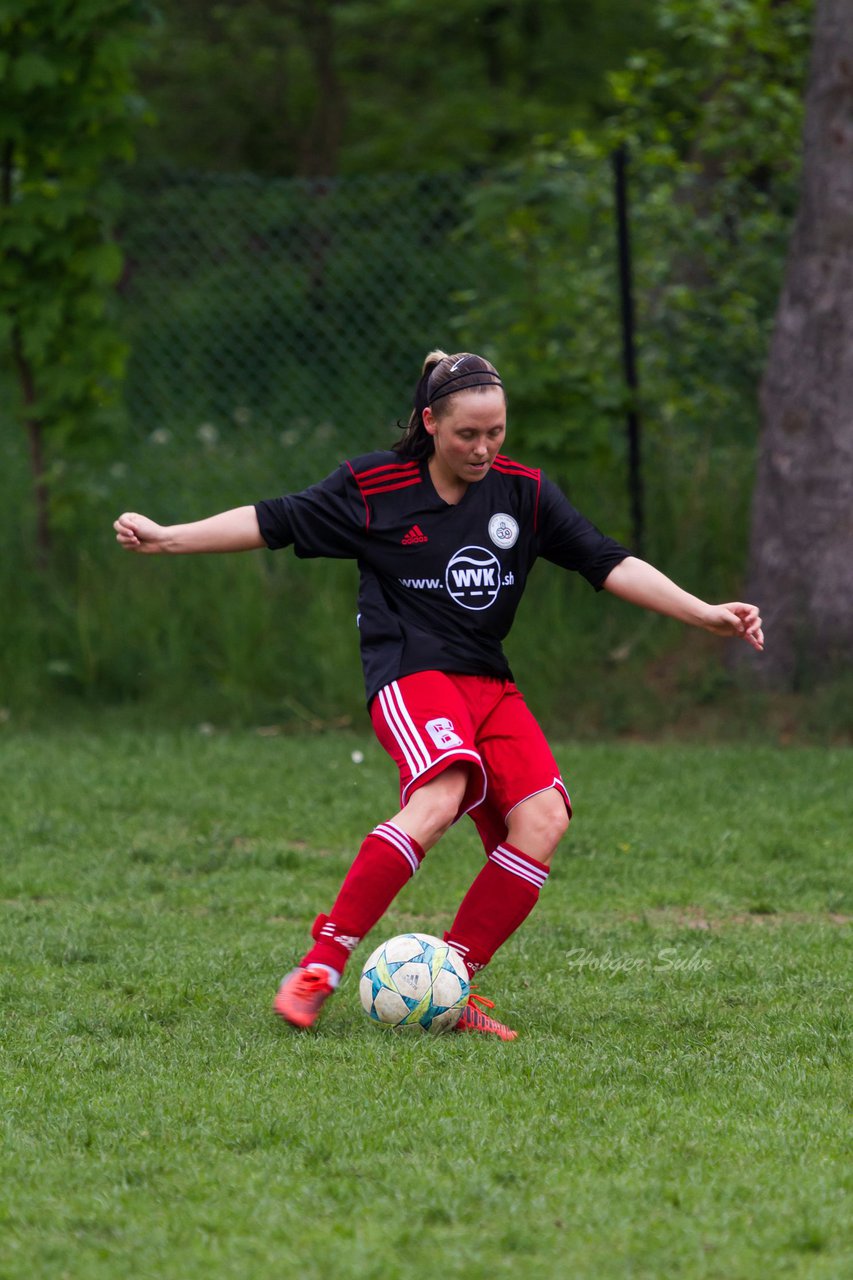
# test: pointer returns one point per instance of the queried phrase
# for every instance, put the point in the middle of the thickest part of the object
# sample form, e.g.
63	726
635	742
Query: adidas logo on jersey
415	534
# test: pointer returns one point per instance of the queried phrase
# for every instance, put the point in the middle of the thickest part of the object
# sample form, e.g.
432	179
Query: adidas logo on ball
415	980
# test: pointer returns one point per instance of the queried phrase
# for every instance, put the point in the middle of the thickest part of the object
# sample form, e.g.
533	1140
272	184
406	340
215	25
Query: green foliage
712	121
67	110
273	335
539	244
714	127
378	86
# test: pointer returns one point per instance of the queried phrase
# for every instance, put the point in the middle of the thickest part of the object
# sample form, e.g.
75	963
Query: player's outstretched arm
235	530
641	584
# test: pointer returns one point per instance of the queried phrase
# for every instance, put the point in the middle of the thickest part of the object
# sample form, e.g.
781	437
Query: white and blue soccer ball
415	980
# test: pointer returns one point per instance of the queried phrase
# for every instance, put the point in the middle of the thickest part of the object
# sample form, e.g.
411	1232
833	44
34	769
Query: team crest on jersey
473	577
503	530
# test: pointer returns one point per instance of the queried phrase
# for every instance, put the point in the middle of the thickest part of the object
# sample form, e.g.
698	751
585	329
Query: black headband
479	378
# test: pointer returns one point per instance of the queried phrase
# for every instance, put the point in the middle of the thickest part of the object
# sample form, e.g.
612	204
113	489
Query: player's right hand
137	533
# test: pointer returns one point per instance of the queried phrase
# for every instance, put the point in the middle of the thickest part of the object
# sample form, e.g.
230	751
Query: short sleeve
568	539
328	519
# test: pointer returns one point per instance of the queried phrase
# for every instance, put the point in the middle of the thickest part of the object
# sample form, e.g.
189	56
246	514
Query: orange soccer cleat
301	996
474	1019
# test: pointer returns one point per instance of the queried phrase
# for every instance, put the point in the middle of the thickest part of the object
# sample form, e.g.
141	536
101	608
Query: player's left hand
736	619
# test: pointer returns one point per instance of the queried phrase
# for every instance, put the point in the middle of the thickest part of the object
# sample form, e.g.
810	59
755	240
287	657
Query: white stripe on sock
458	946
400	840
519	866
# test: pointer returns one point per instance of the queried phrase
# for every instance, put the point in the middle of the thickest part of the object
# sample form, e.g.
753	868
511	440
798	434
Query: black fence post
629	361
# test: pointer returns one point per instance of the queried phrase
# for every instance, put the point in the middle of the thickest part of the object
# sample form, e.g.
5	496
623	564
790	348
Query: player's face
467	436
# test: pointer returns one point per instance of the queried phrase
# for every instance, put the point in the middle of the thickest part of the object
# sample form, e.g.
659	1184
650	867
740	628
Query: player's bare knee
538	825
443	819
435	806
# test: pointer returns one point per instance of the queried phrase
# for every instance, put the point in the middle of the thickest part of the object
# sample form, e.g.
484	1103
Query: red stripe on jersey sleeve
510	467
364	500
397	467
380	487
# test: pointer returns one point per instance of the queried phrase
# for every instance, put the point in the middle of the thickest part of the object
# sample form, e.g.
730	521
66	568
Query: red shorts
431	720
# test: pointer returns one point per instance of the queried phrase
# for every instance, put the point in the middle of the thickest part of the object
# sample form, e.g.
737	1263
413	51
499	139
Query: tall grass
264	638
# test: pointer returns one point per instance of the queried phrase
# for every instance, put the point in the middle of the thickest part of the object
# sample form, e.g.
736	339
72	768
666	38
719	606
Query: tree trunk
23	369
322	141
801	553
35	445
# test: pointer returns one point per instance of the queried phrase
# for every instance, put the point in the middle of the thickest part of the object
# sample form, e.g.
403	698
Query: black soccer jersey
440	583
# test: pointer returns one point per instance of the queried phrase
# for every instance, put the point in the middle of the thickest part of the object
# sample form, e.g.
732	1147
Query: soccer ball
415	980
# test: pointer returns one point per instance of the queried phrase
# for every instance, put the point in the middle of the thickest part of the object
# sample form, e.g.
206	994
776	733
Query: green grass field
678	1102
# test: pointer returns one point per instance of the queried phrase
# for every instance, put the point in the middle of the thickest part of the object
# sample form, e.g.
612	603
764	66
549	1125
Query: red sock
386	860
500	899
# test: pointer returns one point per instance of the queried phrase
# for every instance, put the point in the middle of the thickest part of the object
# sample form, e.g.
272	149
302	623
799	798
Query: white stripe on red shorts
402	726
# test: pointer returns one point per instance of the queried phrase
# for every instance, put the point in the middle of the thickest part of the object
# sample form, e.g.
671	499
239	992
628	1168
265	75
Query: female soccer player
445	529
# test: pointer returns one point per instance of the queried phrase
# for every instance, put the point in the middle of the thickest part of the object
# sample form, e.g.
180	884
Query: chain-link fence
290	303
